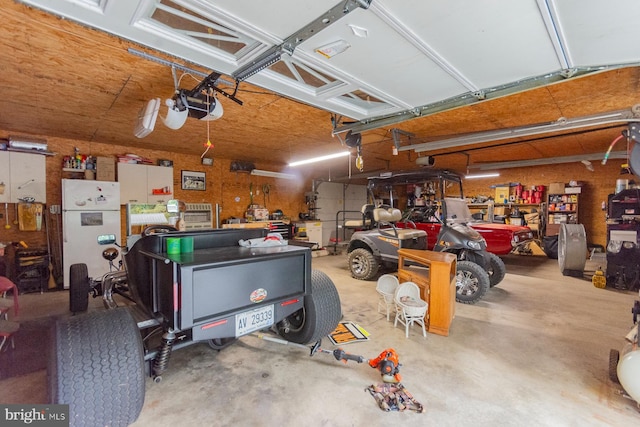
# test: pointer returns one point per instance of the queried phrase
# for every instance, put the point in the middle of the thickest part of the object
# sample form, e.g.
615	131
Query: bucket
186	245
173	245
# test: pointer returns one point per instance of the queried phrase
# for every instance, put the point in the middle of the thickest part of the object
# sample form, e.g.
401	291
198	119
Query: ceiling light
147	118
319	159
175	118
482	175
271	174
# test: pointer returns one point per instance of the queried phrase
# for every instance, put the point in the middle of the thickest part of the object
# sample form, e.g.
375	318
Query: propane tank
629	368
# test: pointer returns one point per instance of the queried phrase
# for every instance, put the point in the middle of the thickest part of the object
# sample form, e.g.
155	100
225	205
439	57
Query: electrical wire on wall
207	144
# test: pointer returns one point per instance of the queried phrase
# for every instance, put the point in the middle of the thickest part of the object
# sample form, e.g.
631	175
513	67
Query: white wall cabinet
24	175
145	183
5	177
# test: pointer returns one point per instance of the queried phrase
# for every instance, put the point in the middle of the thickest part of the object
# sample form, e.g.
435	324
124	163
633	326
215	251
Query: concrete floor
533	352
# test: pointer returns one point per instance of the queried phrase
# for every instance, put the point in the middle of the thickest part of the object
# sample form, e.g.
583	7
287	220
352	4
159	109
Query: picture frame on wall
192	180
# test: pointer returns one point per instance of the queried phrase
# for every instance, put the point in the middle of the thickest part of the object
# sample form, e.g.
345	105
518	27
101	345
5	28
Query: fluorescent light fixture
271	174
482	175
320	158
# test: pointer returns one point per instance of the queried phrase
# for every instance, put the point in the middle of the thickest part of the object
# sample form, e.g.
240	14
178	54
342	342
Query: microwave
198	216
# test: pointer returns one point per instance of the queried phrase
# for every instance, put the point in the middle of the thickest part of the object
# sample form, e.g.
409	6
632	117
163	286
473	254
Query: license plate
254	320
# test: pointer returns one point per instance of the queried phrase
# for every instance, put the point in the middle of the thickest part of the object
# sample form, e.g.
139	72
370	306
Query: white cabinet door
159	184
138	183
133	183
28	177
5	177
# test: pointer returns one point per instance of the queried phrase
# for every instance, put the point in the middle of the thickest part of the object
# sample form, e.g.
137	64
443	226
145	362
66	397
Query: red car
502	239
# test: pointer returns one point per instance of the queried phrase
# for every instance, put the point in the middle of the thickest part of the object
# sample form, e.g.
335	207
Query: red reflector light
176	305
289	302
214	324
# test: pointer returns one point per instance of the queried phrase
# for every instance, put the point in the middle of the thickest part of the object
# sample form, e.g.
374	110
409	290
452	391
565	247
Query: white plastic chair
410	308
386	288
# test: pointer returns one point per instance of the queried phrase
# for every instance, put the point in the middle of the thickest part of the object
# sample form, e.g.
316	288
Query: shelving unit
562	209
489	208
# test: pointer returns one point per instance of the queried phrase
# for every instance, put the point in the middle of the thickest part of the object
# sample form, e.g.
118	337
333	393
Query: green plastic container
186	245
173	245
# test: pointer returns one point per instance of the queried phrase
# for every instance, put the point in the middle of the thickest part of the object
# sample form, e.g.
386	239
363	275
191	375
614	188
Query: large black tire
96	367
497	270
472	282
78	288
362	264
614	358
319	316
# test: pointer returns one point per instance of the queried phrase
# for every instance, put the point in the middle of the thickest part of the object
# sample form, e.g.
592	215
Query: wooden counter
435	275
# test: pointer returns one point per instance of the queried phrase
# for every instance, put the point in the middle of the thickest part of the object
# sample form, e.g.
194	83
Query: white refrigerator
90	210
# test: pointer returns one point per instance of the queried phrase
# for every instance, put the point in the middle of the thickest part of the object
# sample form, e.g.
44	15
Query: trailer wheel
78	288
614	358
497	270
96	367
472	282
320	314
362	264
220	344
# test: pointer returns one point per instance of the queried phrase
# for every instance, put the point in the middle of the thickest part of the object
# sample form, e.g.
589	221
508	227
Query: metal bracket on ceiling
289	44
468	98
396	134
563	124
210	81
480	95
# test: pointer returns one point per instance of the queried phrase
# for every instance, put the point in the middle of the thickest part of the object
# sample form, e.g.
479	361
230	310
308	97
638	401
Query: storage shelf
75	170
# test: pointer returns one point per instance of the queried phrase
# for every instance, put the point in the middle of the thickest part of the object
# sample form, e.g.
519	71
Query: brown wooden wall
222	186
597	186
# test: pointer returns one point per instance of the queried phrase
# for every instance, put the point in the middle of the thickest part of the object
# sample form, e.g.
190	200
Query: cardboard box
502	195
573	190
556	188
105	169
501	210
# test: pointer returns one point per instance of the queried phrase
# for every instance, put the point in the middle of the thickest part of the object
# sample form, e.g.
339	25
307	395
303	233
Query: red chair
7	327
7	285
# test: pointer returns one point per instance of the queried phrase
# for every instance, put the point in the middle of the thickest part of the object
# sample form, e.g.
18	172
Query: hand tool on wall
6	216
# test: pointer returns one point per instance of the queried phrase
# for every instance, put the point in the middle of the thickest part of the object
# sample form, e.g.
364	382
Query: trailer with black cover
219	292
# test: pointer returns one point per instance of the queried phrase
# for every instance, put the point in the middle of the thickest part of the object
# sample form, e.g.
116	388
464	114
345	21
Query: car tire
319	316
96	366
362	264
78	288
472	282
497	270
